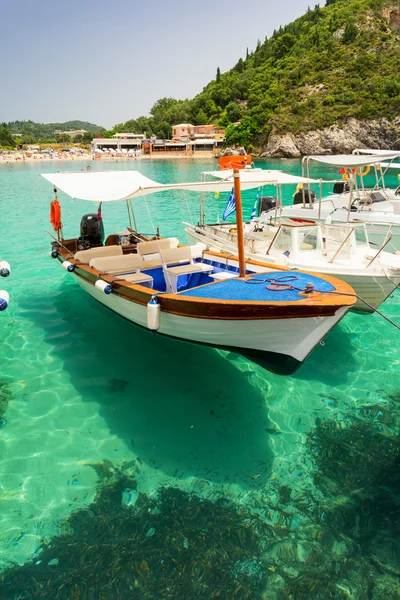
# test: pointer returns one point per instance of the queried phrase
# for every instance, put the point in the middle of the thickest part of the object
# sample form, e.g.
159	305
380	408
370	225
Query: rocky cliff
378	133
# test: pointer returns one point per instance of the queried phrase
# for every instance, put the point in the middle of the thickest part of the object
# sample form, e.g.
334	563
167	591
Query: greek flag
230	206
254	211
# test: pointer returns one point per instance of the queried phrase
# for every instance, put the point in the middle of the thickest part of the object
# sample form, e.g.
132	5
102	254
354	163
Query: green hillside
45	131
337	61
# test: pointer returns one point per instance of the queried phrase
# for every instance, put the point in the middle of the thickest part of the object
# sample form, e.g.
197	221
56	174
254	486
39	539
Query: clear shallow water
87	394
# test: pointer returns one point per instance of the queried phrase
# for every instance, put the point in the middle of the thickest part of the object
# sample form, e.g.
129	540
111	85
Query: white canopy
374	151
352	160
110	186
261	177
385	165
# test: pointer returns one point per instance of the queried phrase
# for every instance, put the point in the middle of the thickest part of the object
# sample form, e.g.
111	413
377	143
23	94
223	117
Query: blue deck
237	289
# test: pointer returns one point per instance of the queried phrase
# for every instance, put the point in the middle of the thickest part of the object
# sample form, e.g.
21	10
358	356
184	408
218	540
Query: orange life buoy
365	172
55	215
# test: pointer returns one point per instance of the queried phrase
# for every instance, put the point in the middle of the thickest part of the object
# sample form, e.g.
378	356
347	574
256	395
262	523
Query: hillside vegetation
337	61
32	132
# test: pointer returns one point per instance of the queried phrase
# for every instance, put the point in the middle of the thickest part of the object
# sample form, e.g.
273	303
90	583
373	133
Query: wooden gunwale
316	305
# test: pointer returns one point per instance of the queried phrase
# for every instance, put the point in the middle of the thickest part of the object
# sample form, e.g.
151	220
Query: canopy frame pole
320	200
351	179
129	214
133	214
60	236
239	223
201	218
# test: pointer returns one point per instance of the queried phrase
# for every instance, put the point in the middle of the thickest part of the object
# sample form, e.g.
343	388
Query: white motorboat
338	249
351	201
187	293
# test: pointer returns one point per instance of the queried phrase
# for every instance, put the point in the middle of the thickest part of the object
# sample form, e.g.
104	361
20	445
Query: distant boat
350	200
235	161
341	250
275	318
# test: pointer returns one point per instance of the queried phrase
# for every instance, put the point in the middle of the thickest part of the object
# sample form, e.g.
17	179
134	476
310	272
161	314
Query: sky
107	61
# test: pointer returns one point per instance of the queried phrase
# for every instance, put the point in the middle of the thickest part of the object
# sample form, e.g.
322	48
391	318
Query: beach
13	156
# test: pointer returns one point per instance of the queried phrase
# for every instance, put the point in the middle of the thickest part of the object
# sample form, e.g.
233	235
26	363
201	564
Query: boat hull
280	344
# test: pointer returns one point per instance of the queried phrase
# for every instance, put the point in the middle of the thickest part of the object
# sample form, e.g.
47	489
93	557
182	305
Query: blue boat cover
255	289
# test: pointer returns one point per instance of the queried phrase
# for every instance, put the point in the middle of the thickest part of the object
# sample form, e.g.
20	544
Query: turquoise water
89	399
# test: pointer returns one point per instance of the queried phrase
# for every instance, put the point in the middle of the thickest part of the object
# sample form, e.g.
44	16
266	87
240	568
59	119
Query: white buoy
153	314
68	266
4	299
5	268
103	286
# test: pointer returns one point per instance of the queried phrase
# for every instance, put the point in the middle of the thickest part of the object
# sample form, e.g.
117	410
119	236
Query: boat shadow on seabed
182	409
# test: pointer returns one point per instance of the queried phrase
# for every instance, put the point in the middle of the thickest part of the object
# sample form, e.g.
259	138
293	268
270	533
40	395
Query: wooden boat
275	318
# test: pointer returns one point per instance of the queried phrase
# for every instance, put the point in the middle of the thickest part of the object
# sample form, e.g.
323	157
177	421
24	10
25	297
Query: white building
119	141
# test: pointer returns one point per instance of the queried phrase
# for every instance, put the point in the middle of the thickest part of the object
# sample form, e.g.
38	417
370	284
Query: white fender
153	314
5	268
68	266
103	286
4	299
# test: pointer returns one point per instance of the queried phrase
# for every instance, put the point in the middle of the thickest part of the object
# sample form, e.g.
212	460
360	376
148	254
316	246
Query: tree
6	139
218	78
233	112
162	105
350	32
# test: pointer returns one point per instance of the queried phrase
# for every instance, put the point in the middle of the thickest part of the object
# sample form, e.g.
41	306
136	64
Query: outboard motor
92	231
339	187
265	203
309	196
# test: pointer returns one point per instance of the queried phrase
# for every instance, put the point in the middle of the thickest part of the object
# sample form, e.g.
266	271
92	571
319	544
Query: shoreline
17	157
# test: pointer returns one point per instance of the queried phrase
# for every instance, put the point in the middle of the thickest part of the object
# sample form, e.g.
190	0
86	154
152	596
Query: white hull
373	287
293	338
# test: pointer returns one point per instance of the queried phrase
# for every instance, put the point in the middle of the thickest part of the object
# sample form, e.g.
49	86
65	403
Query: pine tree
218	75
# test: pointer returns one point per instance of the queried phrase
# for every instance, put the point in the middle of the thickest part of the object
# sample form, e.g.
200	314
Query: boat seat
150	251
122	266
85	256
154	246
183	254
117	264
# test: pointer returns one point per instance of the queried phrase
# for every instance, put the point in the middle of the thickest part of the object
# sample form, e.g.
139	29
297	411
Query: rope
280	284
187	206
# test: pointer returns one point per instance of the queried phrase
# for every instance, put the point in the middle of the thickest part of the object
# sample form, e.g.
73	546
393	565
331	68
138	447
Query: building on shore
118	142
188	132
187	139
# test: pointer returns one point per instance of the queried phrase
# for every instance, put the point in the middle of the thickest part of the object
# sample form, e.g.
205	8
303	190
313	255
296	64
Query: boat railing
385	243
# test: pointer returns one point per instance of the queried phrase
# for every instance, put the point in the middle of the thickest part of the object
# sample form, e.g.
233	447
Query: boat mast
239	222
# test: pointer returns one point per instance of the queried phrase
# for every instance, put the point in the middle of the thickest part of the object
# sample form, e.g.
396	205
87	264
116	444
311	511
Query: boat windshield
308	239
336	241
